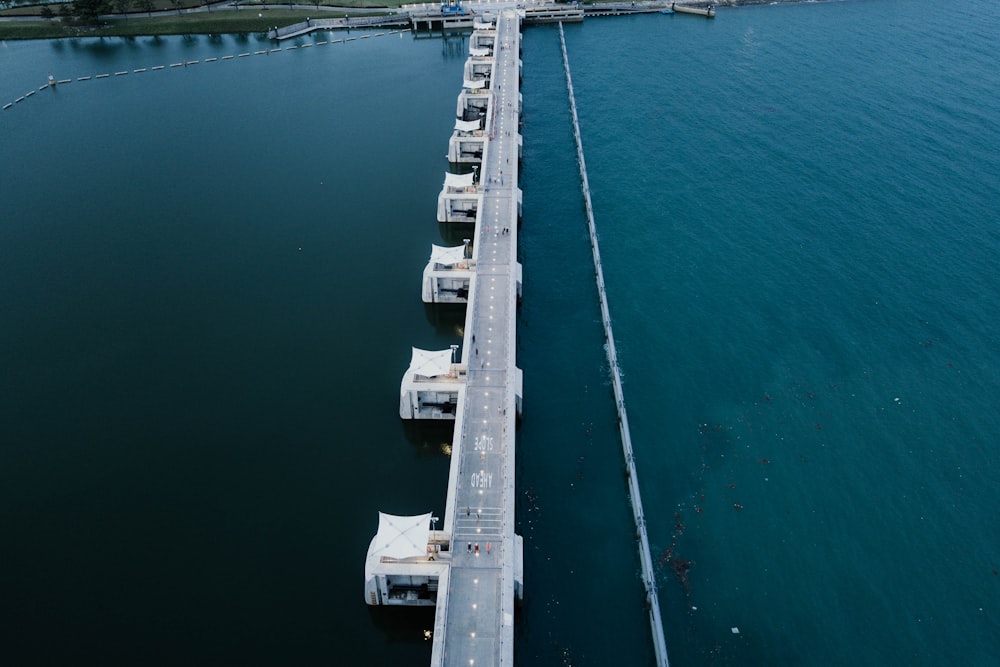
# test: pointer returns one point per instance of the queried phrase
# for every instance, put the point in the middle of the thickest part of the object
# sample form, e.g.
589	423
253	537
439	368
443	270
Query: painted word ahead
482	480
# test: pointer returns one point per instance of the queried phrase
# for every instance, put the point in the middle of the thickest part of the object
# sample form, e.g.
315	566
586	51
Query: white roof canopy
401	536
477	51
468	125
458	180
447	256
475	84
429	364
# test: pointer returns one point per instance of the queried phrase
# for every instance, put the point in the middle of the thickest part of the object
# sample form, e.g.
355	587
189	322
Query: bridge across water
474	624
471	568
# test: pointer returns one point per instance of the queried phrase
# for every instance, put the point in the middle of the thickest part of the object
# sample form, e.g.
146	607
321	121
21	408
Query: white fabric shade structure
474	84
429	364
447	256
400	536
468	125
476	51
458	180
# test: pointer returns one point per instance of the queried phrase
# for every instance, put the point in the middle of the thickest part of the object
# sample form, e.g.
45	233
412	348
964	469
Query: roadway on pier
474	623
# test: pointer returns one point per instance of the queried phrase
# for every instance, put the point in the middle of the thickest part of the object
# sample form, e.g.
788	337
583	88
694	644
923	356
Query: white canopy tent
429	364
468	125
458	180
447	256
400	536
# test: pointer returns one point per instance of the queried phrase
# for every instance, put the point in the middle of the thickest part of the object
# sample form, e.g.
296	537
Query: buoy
52	80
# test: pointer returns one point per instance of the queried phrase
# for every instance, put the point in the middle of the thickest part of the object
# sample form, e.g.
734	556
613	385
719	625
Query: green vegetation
166	17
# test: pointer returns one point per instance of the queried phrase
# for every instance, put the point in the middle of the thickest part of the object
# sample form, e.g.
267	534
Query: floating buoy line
52	82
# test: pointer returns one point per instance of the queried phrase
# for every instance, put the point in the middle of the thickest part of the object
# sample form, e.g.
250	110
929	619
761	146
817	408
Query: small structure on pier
431	385
460	198
483	41
405	562
448	275
467	142
478	68
447	17
472	104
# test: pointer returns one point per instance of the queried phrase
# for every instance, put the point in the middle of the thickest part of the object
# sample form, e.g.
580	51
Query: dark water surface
209	283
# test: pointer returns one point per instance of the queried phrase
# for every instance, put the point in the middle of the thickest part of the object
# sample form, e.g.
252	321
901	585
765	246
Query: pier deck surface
474	622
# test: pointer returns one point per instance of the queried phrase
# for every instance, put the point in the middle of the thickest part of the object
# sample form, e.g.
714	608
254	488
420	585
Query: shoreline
230	19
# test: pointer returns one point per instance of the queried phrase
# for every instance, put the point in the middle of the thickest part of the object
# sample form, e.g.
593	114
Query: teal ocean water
211	282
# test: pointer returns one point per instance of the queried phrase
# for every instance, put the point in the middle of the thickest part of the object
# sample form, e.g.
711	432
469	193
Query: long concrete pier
471	569
474	624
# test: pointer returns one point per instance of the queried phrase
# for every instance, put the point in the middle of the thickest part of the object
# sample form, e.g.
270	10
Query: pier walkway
471	569
474	624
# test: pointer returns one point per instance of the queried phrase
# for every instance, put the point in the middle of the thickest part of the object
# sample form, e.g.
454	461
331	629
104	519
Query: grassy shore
250	17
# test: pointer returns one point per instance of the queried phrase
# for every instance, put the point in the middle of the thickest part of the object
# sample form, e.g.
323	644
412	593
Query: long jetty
471	569
474	624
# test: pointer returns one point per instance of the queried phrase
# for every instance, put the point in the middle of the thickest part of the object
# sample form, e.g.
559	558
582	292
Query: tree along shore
135	18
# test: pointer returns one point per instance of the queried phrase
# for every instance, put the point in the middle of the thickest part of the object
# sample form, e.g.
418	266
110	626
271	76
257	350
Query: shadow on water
446	318
455	233
453	45
430	438
407	625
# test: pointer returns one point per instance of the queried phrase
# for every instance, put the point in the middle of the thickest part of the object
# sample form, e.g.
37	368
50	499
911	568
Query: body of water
211	282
